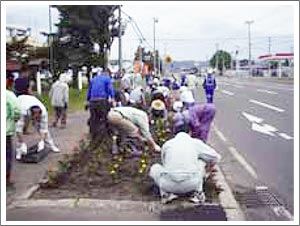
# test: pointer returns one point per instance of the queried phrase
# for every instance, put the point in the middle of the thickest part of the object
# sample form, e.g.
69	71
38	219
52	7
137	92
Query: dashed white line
227	92
266	105
238	86
285	136
266	91
243	162
220	135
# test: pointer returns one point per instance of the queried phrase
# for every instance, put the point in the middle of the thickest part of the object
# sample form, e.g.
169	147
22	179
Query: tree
223	58
79	28
19	50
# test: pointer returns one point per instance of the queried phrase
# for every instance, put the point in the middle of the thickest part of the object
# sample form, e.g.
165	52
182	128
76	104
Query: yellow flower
116	165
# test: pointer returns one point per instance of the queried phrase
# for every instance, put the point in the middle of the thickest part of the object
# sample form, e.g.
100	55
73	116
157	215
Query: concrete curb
228	202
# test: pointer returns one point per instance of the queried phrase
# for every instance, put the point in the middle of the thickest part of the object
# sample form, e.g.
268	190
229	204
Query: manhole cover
258	197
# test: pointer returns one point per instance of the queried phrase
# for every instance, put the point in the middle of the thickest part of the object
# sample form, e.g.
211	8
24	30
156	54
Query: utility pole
120	40
155	20
269	40
249	22
217	56
269	63
50	42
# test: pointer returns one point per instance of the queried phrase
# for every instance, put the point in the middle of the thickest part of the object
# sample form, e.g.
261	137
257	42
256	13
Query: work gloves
21	150
41	146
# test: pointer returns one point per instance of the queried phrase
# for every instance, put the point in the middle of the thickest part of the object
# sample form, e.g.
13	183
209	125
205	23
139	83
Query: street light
155	20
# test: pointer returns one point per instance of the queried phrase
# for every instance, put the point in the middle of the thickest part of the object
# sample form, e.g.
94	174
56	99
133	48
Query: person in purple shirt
100	97
198	118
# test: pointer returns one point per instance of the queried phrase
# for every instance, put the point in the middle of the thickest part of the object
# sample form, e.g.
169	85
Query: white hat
177	106
210	71
63	77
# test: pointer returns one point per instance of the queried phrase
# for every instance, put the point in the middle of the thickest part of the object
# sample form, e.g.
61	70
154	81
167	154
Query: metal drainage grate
258	198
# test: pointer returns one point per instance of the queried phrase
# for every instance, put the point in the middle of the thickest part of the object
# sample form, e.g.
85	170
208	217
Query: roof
277	56
12	65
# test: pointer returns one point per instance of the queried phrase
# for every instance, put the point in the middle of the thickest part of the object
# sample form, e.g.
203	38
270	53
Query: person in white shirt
186	96
183	168
132	122
34	109
137	97
59	95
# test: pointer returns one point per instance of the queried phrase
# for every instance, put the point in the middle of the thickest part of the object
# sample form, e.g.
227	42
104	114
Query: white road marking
252	118
281	211
285	136
243	162
220	135
266	91
265	129
261	188
227	92
266	105
238	86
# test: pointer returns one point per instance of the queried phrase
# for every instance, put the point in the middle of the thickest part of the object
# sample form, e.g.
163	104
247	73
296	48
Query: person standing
59	95
13	113
100	97
209	86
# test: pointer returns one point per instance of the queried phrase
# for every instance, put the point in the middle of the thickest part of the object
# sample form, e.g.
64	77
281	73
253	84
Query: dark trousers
60	113
98	122
9	157
209	95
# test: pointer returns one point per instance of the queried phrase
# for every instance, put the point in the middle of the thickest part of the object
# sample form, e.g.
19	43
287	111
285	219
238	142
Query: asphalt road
254	130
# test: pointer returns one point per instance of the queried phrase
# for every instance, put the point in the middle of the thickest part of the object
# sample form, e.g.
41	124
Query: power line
137	28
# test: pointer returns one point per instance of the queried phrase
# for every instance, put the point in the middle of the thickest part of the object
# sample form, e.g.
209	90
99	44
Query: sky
187	30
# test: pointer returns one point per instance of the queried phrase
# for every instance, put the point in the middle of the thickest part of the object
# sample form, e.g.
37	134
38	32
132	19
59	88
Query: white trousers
165	180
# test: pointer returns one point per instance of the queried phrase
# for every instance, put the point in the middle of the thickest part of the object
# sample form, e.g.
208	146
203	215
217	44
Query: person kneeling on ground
183	168
32	108
132	122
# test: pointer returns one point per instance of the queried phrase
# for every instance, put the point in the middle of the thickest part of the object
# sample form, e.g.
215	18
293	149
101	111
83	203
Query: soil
92	173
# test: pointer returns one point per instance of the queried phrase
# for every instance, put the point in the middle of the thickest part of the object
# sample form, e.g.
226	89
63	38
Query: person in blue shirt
209	86
183	80
100	97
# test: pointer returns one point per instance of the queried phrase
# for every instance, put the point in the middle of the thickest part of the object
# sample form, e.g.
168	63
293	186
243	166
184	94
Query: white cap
177	106
94	70
210	71
156	81
63	77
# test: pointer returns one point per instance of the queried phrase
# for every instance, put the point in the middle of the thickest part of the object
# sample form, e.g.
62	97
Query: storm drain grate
258	198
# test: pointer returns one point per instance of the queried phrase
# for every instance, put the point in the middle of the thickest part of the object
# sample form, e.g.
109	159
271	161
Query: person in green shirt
13	112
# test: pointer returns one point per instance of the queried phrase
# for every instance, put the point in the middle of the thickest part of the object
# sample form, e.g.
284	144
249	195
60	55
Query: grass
76	100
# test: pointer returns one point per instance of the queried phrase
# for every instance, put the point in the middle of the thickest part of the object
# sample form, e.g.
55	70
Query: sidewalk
24	176
27	176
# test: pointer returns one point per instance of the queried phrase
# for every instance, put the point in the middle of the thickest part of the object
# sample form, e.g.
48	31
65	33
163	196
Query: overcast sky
188	31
